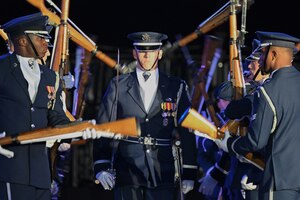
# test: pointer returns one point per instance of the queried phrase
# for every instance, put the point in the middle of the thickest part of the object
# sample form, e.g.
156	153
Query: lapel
134	90
162	89
42	90
17	74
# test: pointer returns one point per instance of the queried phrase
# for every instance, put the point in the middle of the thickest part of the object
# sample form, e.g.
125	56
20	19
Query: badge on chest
51	96
169	108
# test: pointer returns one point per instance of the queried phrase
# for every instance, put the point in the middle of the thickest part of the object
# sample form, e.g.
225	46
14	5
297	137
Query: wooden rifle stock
211	43
4	35
193	120
236	73
124	127
215	20
59	60
237	78
79	102
75	36
209	24
210	107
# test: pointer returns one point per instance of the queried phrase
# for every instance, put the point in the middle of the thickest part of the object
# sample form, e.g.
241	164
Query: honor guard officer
275	119
27	95
26	104
144	166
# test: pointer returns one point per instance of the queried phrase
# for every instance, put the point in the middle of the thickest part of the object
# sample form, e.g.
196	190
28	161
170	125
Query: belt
149	141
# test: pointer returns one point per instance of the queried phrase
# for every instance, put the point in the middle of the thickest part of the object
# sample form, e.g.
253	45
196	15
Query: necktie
146	75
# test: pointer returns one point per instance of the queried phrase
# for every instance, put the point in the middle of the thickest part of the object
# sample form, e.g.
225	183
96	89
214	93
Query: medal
51	96
164	114
165	122
169	110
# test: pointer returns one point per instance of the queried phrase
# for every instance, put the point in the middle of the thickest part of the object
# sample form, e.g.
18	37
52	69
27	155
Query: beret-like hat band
252	57
147	44
44	34
280	43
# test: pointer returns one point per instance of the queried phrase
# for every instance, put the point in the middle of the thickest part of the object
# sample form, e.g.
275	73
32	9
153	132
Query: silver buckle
148	141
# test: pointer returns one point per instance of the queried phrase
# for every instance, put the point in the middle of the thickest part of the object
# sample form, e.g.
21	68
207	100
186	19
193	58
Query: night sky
111	21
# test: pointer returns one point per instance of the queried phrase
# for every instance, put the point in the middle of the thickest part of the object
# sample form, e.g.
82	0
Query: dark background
110	22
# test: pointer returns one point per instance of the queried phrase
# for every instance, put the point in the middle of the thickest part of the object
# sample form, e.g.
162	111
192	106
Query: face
222	104
266	60
253	67
147	59
40	44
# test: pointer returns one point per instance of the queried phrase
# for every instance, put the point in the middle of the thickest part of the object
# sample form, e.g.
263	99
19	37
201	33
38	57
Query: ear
134	54
274	54
160	54
22	41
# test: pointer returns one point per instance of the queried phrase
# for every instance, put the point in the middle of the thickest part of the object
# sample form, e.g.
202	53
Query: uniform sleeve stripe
101	162
272	108
190	166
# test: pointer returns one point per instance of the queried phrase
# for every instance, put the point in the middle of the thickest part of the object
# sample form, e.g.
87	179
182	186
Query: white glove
54	188
69	81
106	179
222	144
187	185
5	152
64	147
208	185
198	133
90	134
247	186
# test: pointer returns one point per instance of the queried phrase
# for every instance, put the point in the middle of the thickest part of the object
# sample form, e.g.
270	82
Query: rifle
4	36
236	72
83	77
215	20
119	129
199	94
59	64
78	37
193	120
233	126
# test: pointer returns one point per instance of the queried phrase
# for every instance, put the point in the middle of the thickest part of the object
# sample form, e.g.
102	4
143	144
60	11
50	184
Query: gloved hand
68	81
5	152
107	179
222	144
203	135
187	185
90	133
247	186
208	184
54	188
64	147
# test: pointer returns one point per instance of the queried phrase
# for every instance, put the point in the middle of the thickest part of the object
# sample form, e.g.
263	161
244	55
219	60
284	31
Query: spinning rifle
120	128
212	46
78	37
4	36
193	120
83	59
